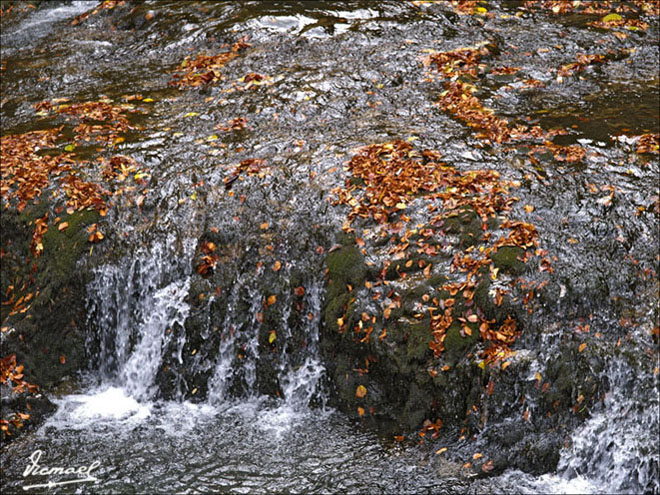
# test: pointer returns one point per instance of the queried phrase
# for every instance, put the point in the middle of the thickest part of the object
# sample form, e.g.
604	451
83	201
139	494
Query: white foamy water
105	405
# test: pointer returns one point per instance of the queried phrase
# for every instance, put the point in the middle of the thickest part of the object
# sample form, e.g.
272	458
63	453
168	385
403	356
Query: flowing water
344	74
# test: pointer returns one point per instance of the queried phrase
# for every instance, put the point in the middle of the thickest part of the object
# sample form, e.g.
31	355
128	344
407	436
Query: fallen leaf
61	227
360	391
276	266
582	347
272	299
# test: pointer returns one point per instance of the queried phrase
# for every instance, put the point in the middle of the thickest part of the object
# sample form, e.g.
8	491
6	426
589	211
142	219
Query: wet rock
49	337
34	404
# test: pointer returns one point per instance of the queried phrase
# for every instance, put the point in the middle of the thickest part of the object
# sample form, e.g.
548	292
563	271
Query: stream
165	409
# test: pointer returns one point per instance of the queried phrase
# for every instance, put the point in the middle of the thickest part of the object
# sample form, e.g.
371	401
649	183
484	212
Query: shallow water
345	74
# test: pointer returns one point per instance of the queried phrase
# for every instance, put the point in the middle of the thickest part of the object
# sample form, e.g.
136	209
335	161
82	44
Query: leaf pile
595	7
391	175
12	376
204	69
455	68
100	121
648	143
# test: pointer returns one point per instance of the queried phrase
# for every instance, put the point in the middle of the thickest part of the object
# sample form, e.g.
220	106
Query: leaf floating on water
612	17
360	391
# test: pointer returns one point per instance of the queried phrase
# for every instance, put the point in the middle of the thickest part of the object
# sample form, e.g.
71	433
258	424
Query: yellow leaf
272	336
360	391
401	206
440	451
148	100
340	322
582	347
191	114
360	411
272	300
612	17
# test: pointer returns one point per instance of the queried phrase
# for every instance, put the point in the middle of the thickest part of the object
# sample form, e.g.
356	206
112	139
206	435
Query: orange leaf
276	266
63	359
272	299
263	226
61	227
360	411
360	391
582	347
299	291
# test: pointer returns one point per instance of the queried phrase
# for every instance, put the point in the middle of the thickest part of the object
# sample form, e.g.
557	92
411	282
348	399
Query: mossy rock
456	345
347	265
419	337
507	259
466	223
49	338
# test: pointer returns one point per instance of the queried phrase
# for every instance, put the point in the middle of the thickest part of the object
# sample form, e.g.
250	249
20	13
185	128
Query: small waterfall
300	383
299	370
616	449
138	306
133	309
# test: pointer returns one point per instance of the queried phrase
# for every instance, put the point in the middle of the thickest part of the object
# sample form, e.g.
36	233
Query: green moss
456	345
62	249
507	259
347	265
418	342
467	224
335	309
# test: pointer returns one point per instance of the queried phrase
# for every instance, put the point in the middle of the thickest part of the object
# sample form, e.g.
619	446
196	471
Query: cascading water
132	311
197	382
616	449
